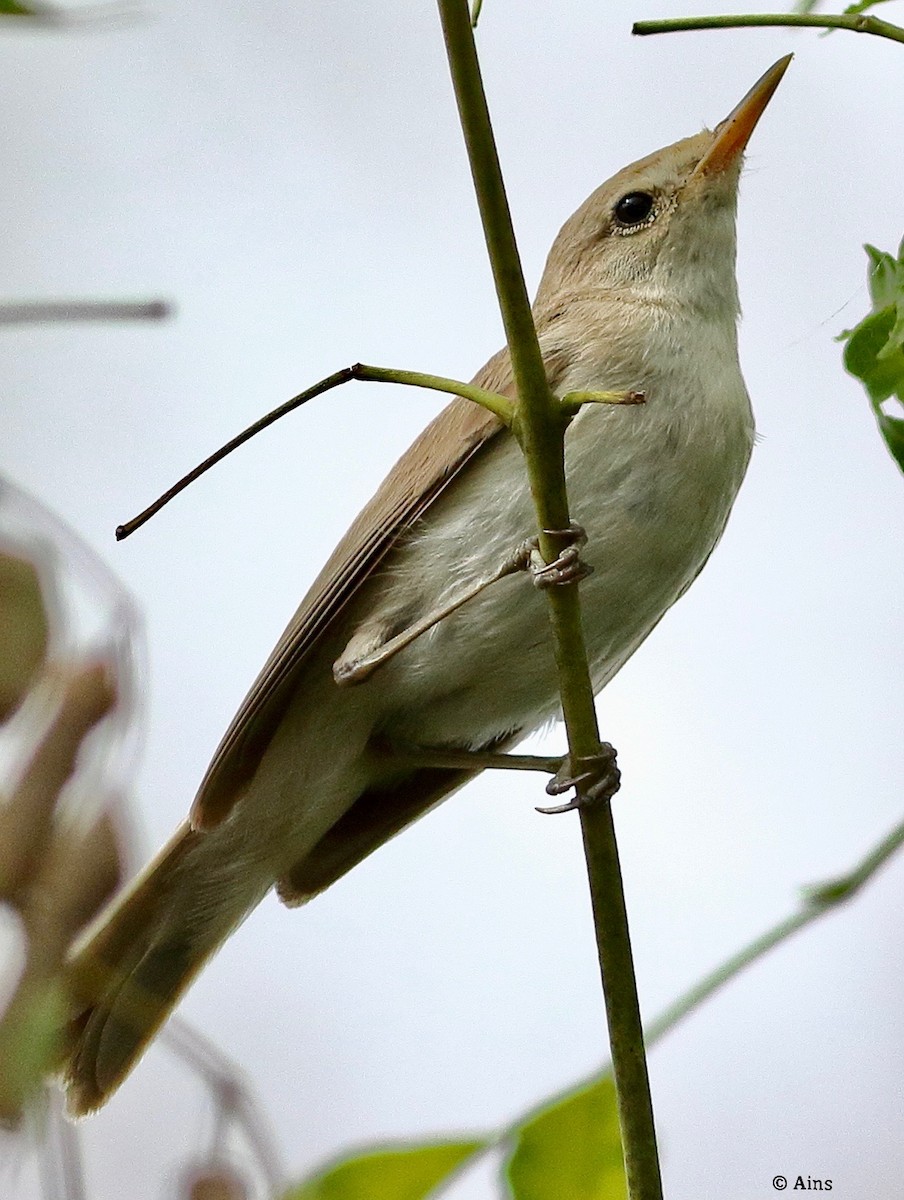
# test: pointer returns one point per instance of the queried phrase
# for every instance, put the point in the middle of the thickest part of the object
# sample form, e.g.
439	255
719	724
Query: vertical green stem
540	426
541	431
542	438
626	1040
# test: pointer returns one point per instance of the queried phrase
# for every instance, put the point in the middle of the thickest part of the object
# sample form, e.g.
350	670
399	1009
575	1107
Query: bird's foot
568	566
595	778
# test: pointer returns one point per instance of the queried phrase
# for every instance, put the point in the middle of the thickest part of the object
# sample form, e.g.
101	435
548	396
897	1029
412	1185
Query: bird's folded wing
447	444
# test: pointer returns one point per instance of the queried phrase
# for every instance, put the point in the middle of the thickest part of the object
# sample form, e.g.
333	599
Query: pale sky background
293	177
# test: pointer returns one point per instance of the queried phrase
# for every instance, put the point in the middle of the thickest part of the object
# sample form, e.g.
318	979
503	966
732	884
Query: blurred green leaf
29	1042
863	6
571	1150
12	9
874	353
406	1174
852	10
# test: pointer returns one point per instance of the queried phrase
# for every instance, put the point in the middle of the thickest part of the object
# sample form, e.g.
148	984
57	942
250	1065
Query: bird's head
663	228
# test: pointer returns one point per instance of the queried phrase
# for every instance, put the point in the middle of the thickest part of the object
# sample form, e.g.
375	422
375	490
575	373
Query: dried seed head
86	694
80	872
215	1183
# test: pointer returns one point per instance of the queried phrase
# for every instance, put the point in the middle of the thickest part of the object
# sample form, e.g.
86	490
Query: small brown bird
638	294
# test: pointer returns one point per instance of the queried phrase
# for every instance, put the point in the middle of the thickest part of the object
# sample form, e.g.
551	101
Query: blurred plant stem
49	16
42	312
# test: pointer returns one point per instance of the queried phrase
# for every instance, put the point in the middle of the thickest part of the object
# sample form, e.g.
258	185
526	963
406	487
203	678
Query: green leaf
400	1174
12	9
571	1150
885	277
874	353
875	357
892	429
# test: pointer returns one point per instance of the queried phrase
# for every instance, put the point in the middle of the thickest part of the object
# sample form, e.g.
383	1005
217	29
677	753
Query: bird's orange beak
733	134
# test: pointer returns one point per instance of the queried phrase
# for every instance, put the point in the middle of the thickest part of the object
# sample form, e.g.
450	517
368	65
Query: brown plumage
638	294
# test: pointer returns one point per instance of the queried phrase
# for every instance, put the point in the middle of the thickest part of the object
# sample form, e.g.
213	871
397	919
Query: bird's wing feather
375	817
448	443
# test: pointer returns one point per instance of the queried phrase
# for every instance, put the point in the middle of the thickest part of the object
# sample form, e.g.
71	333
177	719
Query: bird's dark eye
633	208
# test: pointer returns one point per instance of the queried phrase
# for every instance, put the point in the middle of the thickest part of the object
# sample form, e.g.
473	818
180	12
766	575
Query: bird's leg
370	647
594	777
469	760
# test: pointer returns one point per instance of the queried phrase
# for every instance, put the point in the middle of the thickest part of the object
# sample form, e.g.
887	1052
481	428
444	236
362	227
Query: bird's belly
489	669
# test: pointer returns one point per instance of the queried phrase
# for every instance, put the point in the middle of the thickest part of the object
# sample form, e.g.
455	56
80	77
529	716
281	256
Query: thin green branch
817	900
726	971
572	402
822	896
855	22
500	405
496	403
540	428
475	12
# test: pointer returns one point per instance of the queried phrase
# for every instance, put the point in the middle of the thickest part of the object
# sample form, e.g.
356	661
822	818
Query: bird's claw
567	567
594	777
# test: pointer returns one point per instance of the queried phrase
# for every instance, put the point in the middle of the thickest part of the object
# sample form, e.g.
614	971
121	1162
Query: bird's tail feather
130	972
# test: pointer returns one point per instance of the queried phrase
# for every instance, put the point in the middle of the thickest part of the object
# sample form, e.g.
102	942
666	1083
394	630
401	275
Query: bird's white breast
651	484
